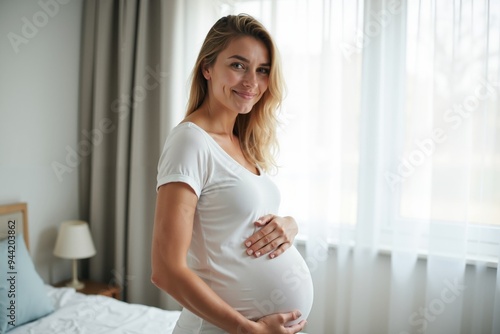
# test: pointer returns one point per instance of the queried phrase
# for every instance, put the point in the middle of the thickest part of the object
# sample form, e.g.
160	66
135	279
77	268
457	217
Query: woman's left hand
275	236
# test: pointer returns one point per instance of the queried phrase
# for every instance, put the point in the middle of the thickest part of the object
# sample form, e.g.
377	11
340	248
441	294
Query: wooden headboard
14	217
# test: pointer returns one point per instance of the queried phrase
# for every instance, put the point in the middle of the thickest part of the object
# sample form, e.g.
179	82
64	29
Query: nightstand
96	288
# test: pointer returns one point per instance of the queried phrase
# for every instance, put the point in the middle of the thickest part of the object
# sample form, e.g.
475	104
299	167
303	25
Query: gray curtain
125	114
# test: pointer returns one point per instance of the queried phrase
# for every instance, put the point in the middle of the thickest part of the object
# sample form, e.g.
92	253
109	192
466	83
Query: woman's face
239	77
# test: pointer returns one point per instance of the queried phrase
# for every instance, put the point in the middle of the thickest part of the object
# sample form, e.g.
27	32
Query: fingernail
257	253
249	251
248	243
272	256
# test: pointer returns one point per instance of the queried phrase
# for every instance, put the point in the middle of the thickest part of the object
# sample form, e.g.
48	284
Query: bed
79	313
28	305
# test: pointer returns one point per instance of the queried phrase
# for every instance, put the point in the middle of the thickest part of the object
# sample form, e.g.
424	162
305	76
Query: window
391	125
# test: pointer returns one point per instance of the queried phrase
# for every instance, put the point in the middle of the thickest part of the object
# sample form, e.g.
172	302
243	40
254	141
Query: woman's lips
245	95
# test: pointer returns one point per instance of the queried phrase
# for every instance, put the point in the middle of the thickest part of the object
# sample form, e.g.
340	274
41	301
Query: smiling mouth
244	95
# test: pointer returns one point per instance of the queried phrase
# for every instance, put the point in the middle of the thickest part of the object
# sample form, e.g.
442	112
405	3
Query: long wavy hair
255	130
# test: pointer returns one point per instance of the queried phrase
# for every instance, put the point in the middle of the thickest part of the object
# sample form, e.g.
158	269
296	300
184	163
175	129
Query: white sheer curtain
390	154
392	148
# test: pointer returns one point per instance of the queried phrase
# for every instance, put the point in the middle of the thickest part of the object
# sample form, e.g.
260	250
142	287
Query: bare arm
175	207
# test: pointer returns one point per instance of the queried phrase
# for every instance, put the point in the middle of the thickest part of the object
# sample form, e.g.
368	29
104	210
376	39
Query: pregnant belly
260	286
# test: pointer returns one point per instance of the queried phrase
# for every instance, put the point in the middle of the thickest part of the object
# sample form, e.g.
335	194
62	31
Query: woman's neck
214	119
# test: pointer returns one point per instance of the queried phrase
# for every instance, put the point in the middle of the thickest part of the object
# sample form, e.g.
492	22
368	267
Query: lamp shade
74	241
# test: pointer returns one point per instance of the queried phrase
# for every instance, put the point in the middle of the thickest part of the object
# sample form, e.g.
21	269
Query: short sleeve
184	158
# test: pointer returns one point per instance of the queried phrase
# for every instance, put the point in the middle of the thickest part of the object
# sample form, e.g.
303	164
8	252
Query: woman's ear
205	70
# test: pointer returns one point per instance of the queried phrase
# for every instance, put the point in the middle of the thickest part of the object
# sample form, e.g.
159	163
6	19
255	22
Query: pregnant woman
218	246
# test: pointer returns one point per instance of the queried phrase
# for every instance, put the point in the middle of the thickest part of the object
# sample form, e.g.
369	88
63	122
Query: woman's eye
238	66
263	70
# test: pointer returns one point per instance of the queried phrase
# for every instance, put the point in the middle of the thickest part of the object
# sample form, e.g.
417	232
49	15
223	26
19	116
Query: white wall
39	74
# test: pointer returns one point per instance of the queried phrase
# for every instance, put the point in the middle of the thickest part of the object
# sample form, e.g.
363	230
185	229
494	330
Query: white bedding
76	313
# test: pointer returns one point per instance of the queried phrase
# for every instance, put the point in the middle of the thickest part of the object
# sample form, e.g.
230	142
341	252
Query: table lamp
74	242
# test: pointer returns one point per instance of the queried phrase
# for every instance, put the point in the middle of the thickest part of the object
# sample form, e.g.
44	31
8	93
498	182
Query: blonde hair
256	130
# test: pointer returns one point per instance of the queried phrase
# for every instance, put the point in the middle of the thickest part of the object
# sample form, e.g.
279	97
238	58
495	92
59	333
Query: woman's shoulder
187	133
187	144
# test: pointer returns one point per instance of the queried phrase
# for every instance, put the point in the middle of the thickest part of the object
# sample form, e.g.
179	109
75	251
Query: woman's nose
250	79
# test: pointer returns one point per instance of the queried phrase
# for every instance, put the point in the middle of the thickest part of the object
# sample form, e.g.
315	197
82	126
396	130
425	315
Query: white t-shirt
230	200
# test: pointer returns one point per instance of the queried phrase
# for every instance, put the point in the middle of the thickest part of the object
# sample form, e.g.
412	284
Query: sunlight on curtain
448	172
450	166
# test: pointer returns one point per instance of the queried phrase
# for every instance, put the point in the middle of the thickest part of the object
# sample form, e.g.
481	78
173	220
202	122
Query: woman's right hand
275	324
